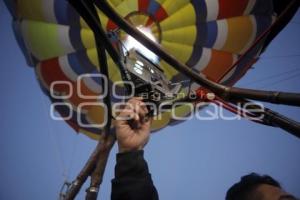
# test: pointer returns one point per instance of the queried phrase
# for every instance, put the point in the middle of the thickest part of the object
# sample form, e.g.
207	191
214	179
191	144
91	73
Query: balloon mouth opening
131	43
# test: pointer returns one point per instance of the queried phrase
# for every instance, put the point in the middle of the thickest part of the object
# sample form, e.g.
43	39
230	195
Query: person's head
257	187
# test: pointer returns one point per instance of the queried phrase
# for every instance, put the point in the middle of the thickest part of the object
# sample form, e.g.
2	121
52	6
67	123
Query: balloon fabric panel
208	36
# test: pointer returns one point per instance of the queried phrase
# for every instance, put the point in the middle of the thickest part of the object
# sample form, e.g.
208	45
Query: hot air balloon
218	39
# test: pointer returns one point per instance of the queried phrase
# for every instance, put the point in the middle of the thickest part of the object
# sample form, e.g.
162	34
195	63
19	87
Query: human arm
132	178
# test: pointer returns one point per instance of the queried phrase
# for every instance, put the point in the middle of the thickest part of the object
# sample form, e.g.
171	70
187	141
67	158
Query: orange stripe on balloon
149	22
218	64
231	8
75	99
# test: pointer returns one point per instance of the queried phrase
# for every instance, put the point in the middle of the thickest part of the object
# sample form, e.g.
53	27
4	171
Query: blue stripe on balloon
73	16
262	24
201	13
65	14
212	31
200	9
60	8
263	7
75	38
202	32
201	39
80	63
98	80
195	57
153	7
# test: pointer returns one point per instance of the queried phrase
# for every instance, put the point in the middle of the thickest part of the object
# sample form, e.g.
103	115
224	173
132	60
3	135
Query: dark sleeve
132	178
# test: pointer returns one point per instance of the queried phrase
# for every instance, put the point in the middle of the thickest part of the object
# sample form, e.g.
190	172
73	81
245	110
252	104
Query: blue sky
193	160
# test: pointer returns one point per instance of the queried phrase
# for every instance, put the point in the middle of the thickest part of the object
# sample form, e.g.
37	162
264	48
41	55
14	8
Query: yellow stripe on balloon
32	10
184	17
168	70
115	2
44	39
170	7
184	91
156	35
138	19
160	121
91	135
160	1
143	19
135	20
183	111
253	34
103	18
123	35
185	35
240	30
93	57
179	51
83	24
87	38
96	114
127	7
113	70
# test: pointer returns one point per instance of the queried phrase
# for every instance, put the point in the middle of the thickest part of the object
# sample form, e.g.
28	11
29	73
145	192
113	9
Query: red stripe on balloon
143	5
51	72
161	14
111	25
231	8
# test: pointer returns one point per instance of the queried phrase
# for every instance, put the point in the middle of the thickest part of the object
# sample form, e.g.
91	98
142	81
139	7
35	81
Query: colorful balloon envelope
209	36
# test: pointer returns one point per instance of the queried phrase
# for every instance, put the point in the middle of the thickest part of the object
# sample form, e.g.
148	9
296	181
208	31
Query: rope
53	137
51	134
289	78
73	153
279	57
267	78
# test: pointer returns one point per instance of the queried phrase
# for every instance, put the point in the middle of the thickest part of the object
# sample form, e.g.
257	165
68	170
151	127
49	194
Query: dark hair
244	189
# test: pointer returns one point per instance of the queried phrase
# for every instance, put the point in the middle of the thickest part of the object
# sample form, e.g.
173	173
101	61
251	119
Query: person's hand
132	126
